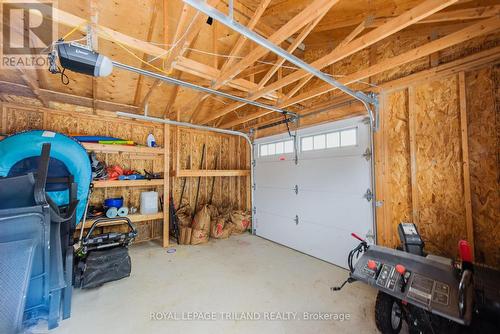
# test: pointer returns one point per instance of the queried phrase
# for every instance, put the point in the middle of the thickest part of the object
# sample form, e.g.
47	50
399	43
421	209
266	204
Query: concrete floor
242	274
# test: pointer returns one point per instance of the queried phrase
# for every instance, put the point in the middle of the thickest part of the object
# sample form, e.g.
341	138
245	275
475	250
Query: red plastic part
372	264
400	269
465	251
357	236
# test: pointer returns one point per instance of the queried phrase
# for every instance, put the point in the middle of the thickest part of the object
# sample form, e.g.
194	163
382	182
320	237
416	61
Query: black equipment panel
424	282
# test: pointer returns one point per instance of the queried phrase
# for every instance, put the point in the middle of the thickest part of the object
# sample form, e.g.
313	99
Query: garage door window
335	139
276	148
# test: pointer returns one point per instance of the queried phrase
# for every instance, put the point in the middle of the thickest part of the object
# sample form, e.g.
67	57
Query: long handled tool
213	181
199	180
183	186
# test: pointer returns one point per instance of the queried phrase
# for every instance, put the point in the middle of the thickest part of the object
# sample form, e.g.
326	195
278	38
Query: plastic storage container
149	202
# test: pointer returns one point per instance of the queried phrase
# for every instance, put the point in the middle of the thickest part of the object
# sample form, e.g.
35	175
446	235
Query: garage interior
207	166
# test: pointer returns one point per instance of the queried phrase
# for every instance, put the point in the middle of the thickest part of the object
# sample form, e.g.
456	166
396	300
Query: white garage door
314	205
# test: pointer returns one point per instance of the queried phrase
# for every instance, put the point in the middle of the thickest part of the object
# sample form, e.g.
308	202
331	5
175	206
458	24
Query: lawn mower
432	294
104	257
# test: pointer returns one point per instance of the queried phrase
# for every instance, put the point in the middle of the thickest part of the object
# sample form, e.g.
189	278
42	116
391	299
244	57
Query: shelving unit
107	148
146	153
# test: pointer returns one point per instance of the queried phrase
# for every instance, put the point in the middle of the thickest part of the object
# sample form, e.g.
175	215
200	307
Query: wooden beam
297	41
234	52
464	14
240	42
469	226
166	186
33	85
50	95
188	27
474	30
94	19
406	19
353	34
298	21
149	36
471	62
182	64
412	111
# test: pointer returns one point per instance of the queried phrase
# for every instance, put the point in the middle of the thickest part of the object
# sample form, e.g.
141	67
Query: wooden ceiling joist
188	27
240	42
406	19
33	85
464	14
235	51
295	44
469	63
182	64
311	12
477	29
149	36
352	35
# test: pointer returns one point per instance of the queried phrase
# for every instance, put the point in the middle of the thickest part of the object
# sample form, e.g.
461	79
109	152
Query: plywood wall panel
399	204
439	184
438	165
62	123
18	119
394	46
484	147
226	149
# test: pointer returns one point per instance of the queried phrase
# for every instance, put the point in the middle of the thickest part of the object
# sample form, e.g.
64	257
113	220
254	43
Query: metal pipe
214	13
178	82
206	128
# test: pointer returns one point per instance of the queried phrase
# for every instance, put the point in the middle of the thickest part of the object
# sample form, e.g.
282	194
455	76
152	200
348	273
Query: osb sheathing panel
399	203
469	47
348	65
438	165
394	46
484	147
230	152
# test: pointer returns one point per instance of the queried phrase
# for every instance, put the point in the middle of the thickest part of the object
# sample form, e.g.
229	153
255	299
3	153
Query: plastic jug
149	202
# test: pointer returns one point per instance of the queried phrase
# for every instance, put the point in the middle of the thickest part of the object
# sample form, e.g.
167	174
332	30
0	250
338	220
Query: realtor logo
28	32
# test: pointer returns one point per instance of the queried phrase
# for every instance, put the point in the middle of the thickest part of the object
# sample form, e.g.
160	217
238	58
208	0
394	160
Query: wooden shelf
108	148
200	172
134	218
127	183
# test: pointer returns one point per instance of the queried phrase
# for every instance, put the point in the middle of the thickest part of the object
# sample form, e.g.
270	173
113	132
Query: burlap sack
184	215
214	212
240	221
201	220
199	237
185	235
219	229
226	231
184	220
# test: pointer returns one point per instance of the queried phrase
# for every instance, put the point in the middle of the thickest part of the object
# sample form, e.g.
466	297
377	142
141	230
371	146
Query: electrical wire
177	41
258	61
